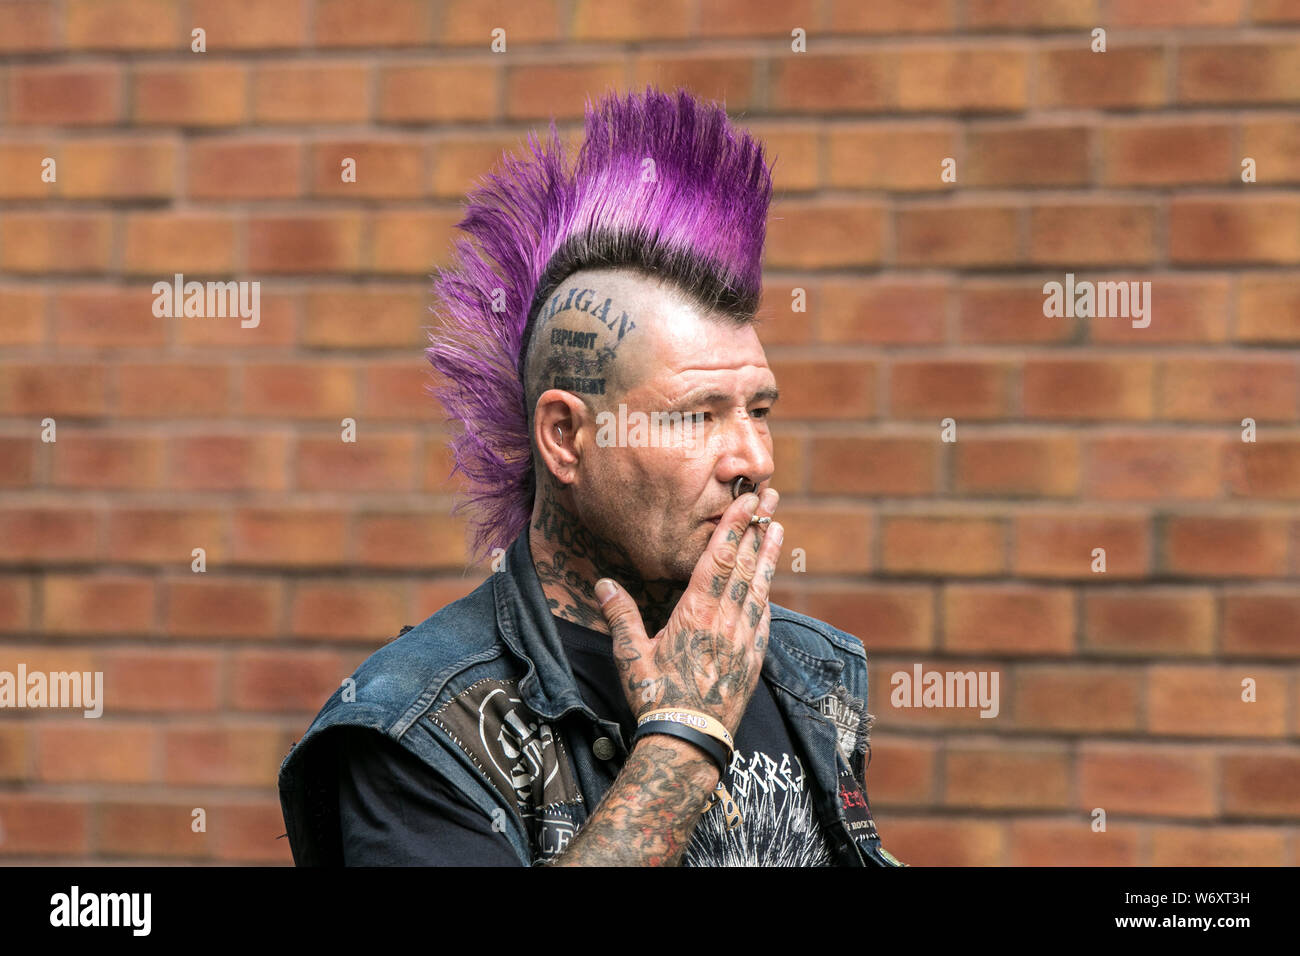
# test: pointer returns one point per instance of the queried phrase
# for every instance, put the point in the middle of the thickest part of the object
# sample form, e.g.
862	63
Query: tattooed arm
707	658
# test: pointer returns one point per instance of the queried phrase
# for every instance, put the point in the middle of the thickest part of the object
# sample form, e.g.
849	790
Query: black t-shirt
395	810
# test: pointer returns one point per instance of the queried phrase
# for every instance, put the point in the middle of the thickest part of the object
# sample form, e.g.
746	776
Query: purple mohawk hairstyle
700	222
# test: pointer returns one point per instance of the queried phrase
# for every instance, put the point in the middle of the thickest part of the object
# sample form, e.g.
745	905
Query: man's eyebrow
706	396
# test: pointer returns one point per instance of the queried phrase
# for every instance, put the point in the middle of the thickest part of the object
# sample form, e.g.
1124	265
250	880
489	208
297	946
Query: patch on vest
852	725
520	755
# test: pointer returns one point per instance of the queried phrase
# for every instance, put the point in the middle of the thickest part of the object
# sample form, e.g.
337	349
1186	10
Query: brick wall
1119	690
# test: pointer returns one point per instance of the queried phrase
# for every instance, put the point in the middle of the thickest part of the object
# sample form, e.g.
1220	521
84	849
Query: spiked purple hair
699	223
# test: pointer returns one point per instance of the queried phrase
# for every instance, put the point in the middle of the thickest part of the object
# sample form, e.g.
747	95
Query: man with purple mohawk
598	347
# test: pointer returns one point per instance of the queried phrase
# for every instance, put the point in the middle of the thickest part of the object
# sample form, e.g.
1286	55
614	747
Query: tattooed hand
709	655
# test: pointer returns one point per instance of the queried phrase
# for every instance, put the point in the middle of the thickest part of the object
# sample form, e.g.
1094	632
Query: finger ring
738	487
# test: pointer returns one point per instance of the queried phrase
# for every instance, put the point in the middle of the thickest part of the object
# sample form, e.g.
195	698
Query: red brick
1217	846
92	460
891	156
893	617
1020	15
44	825
930	841
1195	701
223	607
312	243
15	602
1003	776
123	25
459	160
730	80
471	22
1076	235
311	92
300	391
17	463
1000	312
251	24
1120	78
228	462
874	465
160	681
949	388
902	772
1019	156
90	751
15	749
944	79
166	536
277	324
48	535
173	391
1142	154
60	95
195	95
826	389
1013	466
439	92
1240	73
161	244
150	829
410	243
959	236
1264	230
365	317
413	541
1264	784
433	595
384	170
942	546
1268	309
27	26
1008	620
818	234
1274	11
264	536
1048	843
233	755
1061	545
1199	308
24	312
892	16
372	463
284	681
1150	623
356	610
1261	623
1081	389
1168	13
118	169
834	82
57	242
1147	780
640	20
1221	546
106	316
1274	144
243	169
1223	389
53	390
1146	467
879	311
378	23
250	833
1264	469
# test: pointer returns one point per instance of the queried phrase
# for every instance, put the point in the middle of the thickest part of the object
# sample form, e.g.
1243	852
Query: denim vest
482	692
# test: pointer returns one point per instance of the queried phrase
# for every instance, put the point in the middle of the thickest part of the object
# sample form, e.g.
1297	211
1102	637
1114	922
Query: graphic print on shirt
780	827
521	756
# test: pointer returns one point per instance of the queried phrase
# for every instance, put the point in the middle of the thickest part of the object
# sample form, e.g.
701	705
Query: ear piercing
559	433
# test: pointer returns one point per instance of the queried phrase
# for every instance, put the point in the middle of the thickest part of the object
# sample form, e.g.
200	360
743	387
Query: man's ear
557	427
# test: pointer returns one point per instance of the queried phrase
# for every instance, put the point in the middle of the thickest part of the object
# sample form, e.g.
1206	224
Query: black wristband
710	745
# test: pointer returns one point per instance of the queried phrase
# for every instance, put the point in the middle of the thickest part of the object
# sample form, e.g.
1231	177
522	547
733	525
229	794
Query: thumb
621	613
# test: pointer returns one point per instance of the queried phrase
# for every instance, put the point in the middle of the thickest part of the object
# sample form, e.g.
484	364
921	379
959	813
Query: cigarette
764	521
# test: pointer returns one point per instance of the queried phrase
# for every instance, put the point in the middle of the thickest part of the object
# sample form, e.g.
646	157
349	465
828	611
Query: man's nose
751	453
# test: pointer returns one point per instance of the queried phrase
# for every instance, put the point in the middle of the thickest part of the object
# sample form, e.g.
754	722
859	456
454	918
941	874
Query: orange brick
1218	547
1147	467
357	610
1274	11
372	463
880	311
44	825
1165	781
93	752
379	23
17	463
191	391
241	755
250	833
123	25
251	24
1093	234
439	93
1008	620
1217	846
74	390
15	602
1264	469
949	388
902	772
960	236
1180	309
158	681
1239	73
943	546
1088	389
243	169
1046	466
222	607
816	234
410	243
826	389
1144	13
118	169
150	829
311	92
1268	309
1020	15
315	243
1120	78
201	94
1193	701
90	460
1274	144
1141	154
470	22
163	536
278	319
891	156
944	79
295	537
413	541
1234	231
655	19
1150	623
105	316
1018	156
384	170
15	749
1222	389
365	317
834	82
979	775
893	16
162	244
228	463
27	26
930	841
1061	545
24	312
875	465
65	95
56	242
47	534
1000	312
398	391
895	617
21	168
1074	843
1261	623
459	160
284	681
729	80
300	391
1264	784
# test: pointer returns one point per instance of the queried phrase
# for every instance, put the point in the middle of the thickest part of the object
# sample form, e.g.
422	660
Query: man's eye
761	412
698	417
